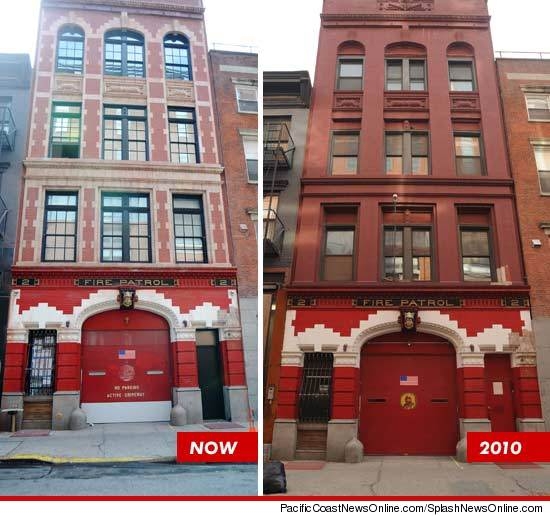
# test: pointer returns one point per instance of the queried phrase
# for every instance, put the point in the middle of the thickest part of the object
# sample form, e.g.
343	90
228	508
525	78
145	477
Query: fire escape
7	144
278	157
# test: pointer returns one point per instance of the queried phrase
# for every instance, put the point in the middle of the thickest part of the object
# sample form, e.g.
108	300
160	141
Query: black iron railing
278	146
39	378
315	391
7	129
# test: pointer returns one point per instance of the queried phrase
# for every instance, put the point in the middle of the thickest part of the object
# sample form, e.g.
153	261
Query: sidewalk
102	443
416	476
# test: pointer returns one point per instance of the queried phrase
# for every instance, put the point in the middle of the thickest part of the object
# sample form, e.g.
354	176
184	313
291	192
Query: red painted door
498	386
126	369
408	396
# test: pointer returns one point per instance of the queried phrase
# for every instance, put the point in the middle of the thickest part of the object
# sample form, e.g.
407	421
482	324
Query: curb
83	460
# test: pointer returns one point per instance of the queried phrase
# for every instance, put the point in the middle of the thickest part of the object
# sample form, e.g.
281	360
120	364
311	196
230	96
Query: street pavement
122	442
127	479
416	476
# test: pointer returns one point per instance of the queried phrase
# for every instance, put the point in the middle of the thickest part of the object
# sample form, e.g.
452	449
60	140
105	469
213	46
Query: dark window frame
314	405
66	208
124	35
407	156
339	227
477	228
125	236
45	339
457	61
185	72
482	166
405	73
53	117
76	35
190	211
332	155
349	59
184	121
125	118
408	255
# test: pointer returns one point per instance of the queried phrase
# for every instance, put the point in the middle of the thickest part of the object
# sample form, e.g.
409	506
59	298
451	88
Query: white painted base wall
130	412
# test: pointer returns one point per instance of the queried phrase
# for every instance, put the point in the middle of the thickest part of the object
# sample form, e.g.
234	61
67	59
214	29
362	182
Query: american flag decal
126	354
408	380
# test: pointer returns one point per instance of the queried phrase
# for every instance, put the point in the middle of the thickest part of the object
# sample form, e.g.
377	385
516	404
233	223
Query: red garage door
408	396
126	375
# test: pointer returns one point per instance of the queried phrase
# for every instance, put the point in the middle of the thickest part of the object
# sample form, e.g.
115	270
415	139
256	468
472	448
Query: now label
217	447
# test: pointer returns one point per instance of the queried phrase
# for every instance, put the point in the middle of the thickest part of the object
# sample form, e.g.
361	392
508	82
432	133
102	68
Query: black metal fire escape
7	144
278	156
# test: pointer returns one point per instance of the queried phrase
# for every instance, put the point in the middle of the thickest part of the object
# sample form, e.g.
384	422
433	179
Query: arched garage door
408	396
126	372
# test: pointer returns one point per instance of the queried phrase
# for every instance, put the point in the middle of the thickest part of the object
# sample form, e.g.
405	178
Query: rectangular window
468	155
350	74
250	145
405	75
338	247
271	202
538	107
39	374
476	254
542	157
407	154
189	230
125	133
407	253
247	99
59	237
125	228
461	75
344	154
183	136
316	387
65	130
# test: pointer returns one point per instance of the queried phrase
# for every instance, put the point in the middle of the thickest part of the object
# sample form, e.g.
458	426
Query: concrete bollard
353	451
178	416
461	451
78	420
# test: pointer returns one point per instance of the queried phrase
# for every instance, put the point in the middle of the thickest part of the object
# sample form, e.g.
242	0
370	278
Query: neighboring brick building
235	90
408	310
125	301
286	113
15	91
525	92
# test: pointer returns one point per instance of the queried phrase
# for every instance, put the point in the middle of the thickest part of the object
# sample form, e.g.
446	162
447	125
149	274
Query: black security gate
210	375
315	391
39	378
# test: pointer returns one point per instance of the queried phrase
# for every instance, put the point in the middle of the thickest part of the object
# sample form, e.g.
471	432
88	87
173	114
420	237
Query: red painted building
408	320
124	299
525	92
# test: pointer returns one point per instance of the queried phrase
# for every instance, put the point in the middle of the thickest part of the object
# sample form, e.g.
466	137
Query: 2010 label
500	448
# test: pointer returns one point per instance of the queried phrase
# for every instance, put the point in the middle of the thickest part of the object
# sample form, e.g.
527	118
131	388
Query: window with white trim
247	98
538	106
250	145
542	157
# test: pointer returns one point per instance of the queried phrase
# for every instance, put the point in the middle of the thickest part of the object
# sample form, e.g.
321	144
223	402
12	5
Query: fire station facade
124	301
408	321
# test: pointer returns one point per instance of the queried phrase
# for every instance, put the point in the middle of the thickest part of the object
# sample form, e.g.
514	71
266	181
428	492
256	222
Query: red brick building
525	92
408	306
235	90
124	301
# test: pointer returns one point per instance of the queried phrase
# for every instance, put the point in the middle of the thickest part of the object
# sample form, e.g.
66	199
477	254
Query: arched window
70	50
350	66
462	74
124	53
405	67
176	57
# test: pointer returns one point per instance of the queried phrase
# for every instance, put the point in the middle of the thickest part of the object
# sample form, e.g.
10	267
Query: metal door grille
41	363
315	391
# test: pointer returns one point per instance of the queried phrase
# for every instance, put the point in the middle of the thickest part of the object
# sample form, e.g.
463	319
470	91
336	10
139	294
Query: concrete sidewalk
416	476
102	443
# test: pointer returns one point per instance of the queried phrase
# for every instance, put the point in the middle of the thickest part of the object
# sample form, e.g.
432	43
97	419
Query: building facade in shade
235	90
124	300
408	320
15	86
525	93
286	111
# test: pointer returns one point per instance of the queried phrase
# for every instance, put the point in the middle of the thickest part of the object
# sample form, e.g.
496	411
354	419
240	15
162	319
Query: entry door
126	371
210	375
408	396
498	386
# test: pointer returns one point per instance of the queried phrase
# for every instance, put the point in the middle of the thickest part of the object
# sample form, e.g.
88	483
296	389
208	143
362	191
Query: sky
285	32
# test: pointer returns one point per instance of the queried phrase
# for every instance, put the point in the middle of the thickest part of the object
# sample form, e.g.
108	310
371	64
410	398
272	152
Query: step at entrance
311	442
37	414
